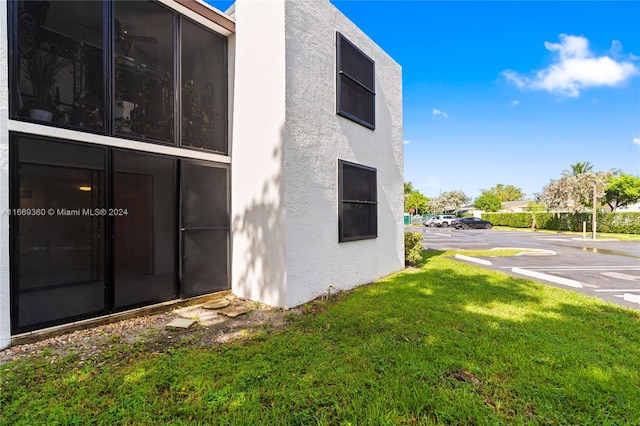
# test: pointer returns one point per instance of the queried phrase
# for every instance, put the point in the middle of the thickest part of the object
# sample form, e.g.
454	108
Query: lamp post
595	200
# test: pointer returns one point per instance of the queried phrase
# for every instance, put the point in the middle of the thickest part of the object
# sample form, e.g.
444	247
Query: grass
450	343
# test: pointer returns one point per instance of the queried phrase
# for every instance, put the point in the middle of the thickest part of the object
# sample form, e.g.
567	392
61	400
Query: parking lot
602	268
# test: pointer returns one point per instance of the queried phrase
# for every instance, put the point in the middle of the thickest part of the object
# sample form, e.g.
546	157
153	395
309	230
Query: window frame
108	260
342	75
109	80
342	164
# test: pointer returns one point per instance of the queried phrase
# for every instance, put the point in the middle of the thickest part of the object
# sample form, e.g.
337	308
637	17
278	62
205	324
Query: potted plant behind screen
41	62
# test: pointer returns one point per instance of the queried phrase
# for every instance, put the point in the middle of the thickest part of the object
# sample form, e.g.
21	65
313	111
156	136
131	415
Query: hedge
613	222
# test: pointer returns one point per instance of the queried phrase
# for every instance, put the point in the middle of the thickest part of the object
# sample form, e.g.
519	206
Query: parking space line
612	290
469	243
634	298
547	277
473	259
528	251
620	276
589	285
583	268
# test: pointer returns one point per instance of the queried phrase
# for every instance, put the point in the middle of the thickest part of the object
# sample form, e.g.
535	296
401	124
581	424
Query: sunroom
118	156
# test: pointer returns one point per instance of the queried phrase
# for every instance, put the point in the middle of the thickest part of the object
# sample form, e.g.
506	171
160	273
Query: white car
442	220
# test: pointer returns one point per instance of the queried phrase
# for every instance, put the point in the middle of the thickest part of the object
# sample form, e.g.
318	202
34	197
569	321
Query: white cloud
514	78
616	48
636	141
437	113
576	68
515	102
406	142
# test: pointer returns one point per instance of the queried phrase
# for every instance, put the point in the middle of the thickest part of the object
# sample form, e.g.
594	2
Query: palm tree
408	188
578	168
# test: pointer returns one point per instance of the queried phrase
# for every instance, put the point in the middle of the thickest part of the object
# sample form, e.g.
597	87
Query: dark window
143	49
204	88
58	71
60	74
356	84
358	202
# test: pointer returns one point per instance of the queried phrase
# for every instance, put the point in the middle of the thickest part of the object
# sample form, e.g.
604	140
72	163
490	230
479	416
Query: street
602	268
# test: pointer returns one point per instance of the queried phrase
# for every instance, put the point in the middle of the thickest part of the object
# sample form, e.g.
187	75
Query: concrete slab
234	311
217	304
182	323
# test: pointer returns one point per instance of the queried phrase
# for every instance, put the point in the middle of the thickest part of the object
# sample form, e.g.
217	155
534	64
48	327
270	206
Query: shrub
412	248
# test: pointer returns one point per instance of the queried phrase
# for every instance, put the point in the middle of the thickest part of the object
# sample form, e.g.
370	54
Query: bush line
610	222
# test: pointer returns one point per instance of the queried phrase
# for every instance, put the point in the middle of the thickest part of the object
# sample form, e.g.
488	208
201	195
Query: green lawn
450	343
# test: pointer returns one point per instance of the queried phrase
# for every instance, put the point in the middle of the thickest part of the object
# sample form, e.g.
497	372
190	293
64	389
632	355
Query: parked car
472	222
442	220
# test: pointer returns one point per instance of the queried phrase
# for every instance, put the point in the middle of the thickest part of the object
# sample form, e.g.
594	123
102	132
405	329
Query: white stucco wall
287	139
316	137
5	317
257	180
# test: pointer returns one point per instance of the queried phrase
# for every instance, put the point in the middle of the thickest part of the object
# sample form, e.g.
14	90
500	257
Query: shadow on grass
450	343
544	353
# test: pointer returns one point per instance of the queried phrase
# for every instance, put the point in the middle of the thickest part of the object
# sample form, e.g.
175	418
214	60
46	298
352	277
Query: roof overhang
209	13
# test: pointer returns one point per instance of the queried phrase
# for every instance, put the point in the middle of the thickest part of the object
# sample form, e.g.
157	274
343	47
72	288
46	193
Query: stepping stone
182	323
217	304
235	311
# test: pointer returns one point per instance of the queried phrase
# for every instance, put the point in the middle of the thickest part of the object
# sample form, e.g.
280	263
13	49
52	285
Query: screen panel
144	200
60	243
205	228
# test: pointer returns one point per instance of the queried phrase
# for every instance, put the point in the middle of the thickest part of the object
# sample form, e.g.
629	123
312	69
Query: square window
358	202
356	97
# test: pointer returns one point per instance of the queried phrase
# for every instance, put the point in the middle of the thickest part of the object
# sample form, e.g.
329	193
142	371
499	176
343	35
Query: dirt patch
211	329
463	376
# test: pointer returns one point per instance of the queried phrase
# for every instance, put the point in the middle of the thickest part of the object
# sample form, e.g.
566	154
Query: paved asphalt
602	268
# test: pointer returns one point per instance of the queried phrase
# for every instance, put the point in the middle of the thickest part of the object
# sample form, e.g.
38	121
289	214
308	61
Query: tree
416	201
408	188
534	206
507	192
448	202
556	195
575	192
622	190
488	201
578	168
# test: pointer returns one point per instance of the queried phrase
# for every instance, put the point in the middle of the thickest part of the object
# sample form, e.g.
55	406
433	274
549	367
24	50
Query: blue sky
510	92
